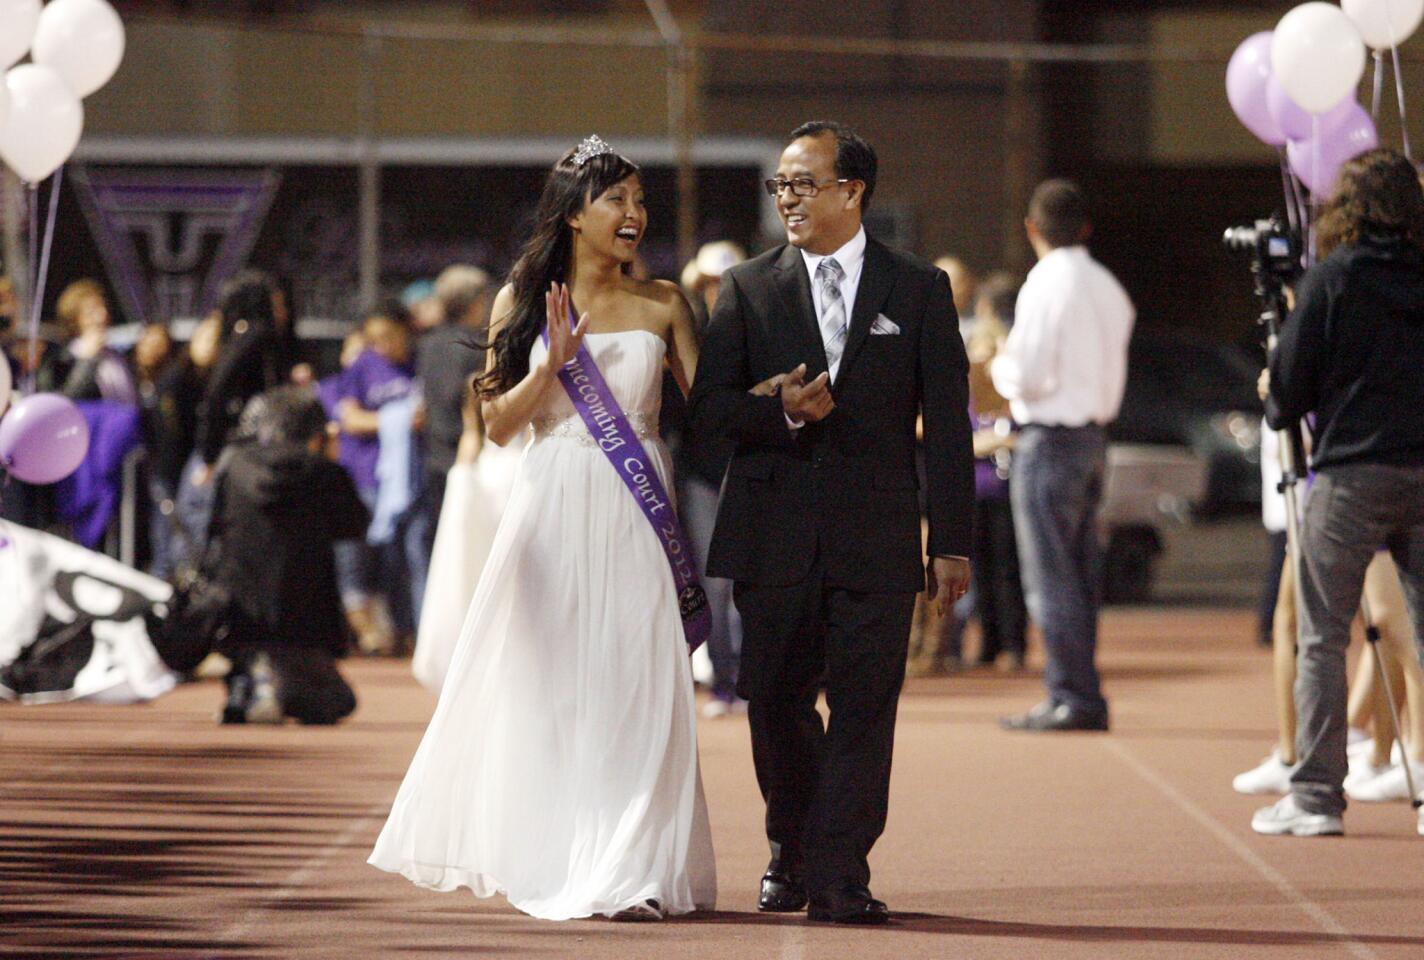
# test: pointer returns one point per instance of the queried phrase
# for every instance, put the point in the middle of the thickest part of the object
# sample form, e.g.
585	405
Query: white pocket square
884	324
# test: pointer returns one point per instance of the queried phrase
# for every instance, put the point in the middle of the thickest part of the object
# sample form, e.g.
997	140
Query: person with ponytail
560	768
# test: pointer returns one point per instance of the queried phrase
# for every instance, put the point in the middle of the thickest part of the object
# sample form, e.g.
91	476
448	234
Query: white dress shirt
1065	361
851	257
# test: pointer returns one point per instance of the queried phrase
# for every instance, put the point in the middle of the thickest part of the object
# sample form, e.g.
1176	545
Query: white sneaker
1366	748
1284	817
265	706
717	707
1421	821
1271	776
1362	771
1389	785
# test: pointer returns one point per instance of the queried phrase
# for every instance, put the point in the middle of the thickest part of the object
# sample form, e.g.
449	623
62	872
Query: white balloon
45	121
17	27
1385	23
82	40
1317	55
4	382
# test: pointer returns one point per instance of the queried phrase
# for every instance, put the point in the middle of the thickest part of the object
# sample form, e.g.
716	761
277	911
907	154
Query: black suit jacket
843	489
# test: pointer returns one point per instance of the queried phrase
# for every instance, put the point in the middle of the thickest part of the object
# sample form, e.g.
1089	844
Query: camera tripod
1293	460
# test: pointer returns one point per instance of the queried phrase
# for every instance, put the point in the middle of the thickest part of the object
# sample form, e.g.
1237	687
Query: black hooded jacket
280	510
1352	353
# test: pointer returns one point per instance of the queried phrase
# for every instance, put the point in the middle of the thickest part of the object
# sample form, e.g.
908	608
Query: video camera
1274	247
1276	255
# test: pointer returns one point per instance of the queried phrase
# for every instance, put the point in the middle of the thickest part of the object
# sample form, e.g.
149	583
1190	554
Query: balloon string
1292	211
1315	197
1296	204
1378	85
1399	89
42	267
32	194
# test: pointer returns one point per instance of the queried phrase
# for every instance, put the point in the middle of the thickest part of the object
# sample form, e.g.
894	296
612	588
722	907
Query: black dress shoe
782	890
849	905
1050	716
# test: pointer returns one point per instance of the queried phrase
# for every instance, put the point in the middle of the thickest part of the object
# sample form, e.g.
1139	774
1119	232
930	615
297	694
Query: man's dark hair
290	414
1060	211
855	158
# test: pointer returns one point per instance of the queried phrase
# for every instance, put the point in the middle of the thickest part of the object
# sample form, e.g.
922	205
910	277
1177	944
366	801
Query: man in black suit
819	522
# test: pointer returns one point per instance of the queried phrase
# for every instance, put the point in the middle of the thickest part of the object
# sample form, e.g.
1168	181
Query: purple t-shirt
372	381
328	391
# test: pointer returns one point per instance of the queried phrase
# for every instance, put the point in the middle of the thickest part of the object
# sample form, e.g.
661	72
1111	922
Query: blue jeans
162	521
397	569
405	565
1056	486
192	511
355	572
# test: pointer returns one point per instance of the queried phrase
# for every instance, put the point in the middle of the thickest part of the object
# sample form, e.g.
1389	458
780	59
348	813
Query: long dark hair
247	298
546	259
1378	196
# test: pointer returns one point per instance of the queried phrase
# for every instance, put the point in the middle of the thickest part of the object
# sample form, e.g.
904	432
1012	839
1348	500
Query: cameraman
1352	353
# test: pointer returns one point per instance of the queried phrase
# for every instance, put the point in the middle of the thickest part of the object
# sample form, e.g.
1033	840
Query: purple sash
608	425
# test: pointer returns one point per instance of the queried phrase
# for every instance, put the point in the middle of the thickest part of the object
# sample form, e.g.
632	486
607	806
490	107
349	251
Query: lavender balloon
1295	121
43	439
1317	161
1246	78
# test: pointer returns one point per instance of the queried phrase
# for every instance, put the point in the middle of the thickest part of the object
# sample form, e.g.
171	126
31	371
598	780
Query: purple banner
607	424
171	236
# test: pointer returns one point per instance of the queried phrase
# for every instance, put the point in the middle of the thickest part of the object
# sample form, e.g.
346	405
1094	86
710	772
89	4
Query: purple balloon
1295	121
1317	161
1246	78
43	439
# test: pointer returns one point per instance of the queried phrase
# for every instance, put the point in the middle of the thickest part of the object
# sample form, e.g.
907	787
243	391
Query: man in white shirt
1063	368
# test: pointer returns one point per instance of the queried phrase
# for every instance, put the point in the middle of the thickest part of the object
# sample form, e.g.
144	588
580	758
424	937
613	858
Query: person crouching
281	506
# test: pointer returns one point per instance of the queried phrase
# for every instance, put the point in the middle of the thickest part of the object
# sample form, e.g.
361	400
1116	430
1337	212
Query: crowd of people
399	416
406	363
392	415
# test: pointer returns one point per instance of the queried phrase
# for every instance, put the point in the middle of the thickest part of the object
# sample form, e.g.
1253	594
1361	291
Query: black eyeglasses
799	186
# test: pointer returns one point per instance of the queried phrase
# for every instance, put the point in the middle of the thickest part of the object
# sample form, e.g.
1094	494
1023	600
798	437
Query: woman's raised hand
564	342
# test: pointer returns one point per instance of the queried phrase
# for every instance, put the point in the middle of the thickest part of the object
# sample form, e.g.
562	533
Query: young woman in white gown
476	489
560	768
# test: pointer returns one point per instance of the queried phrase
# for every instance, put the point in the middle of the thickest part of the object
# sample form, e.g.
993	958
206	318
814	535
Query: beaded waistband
645	426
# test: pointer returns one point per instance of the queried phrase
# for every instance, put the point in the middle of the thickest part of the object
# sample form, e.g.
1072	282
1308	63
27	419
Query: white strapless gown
560	767
475	496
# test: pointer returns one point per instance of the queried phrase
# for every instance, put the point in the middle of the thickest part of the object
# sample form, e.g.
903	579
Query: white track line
298	878
793	941
1309	907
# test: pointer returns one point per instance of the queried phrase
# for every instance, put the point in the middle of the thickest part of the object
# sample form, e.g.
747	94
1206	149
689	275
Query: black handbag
199	621
202	617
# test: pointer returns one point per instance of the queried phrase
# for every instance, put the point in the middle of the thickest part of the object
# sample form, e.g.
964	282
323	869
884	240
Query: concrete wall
940	128
246	81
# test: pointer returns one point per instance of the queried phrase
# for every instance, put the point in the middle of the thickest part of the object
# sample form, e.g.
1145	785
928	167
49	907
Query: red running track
150	832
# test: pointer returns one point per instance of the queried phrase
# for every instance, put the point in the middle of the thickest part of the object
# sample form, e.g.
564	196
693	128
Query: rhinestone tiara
590	147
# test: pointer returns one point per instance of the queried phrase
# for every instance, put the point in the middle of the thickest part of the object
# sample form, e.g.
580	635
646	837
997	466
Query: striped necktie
834	326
